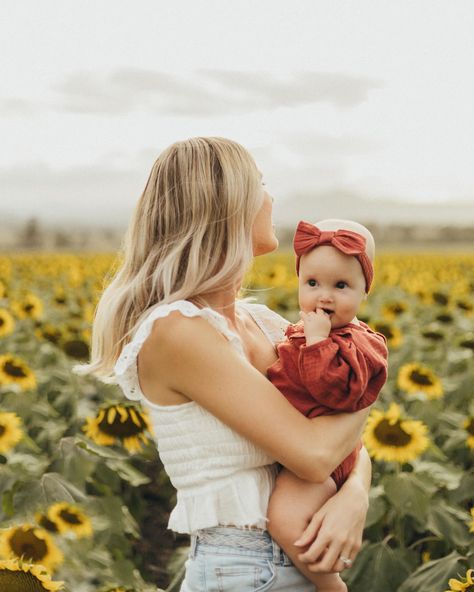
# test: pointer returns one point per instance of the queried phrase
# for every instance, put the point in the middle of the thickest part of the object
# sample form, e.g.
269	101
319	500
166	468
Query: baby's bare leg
292	505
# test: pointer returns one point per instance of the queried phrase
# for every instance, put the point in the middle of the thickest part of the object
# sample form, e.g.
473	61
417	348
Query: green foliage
417	532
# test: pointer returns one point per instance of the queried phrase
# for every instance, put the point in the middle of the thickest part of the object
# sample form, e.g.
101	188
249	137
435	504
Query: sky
371	99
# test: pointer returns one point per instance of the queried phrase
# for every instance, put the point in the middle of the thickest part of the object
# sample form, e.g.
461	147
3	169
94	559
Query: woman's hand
336	530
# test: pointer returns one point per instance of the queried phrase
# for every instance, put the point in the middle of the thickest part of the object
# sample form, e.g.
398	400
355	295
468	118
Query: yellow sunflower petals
133	415
111	414
123	413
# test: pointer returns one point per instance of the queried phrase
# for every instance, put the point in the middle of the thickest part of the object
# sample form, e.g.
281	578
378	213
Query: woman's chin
264	247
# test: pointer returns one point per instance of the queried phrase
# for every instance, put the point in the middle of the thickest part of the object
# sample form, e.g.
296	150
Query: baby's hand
316	325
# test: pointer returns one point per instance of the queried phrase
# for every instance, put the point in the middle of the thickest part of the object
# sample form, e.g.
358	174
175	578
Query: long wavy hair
190	236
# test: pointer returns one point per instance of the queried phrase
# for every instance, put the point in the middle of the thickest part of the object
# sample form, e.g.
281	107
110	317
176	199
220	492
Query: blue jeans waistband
230	539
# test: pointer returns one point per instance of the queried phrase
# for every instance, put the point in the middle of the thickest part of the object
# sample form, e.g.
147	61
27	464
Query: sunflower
388	437
390	331
440	298
462	586
10	431
76	348
49	332
468	425
46	523
467	341
119	423
69	518
417	378
471	524
31	543
391	310
7	323
15	371
30	307
18	576
60	298
433	334
445	317
465	305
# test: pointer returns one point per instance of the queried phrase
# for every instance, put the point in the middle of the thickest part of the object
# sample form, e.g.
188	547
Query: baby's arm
335	371
292	505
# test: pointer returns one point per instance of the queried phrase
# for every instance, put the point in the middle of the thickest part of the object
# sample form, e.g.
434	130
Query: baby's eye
312	283
341	285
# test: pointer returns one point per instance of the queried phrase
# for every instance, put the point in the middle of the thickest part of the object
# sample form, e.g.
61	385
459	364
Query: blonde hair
190	235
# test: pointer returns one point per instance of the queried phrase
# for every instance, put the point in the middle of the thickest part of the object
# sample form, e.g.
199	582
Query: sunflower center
47	524
468	343
2	321
76	348
391	434
440	298
122	430
28	308
385	330
3	429
13	370
445	318
20	581
470	426
434	335
419	377
25	542
70	517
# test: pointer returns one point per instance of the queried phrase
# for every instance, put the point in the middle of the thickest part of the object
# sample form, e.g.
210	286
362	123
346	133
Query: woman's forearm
338	436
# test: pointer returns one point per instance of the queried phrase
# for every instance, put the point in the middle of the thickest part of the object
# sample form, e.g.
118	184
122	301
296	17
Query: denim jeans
229	559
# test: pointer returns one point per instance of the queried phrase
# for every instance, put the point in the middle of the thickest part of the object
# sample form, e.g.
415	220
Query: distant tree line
32	235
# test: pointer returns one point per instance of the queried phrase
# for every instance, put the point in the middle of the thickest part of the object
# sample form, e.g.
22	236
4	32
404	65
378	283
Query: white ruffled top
220	477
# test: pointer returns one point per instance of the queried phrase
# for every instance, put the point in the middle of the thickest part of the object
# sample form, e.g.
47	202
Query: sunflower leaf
446	475
378	567
377	506
128	472
408	494
56	489
96	449
434	575
445	523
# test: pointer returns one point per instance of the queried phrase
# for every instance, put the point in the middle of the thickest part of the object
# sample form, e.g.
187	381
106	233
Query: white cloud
207	93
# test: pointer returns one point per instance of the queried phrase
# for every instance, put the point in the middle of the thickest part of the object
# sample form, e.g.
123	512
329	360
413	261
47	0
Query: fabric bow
308	237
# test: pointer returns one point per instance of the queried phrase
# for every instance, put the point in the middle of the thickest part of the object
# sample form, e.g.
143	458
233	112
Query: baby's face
332	281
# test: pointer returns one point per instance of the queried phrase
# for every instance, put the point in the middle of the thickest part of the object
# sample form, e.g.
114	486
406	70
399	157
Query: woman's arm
336	529
188	356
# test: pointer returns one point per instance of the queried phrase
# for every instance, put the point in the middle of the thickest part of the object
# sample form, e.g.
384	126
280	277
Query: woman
168	328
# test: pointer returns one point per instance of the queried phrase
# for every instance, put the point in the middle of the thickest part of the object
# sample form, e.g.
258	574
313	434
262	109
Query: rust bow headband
308	237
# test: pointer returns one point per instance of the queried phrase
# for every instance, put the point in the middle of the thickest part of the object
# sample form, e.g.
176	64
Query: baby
329	363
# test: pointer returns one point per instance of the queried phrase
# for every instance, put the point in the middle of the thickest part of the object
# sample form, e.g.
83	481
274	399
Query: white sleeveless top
221	478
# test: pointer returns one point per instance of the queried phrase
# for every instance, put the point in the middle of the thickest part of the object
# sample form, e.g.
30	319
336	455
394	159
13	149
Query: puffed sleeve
342	372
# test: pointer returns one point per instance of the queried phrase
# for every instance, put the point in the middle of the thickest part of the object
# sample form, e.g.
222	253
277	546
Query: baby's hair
338	224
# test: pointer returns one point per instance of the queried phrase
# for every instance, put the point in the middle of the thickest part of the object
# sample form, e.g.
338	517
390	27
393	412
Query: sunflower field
84	498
